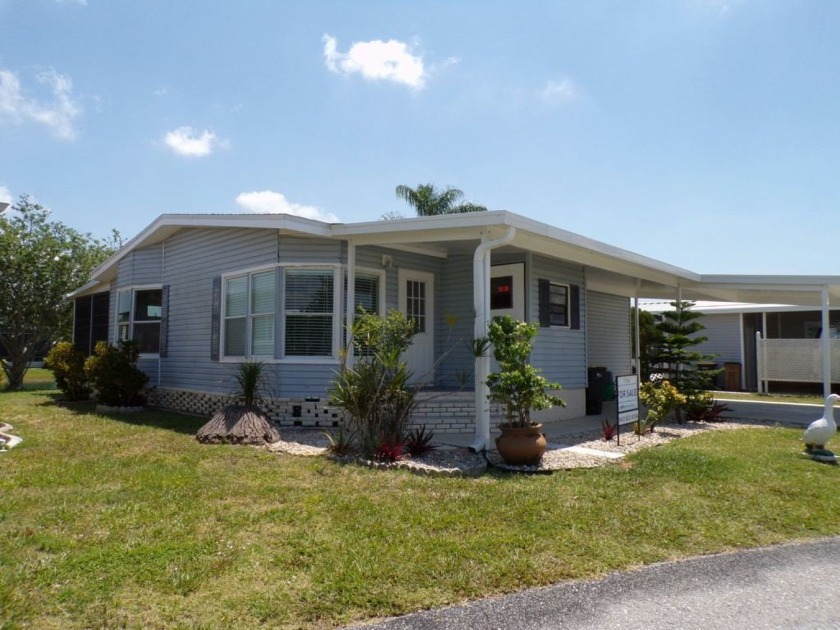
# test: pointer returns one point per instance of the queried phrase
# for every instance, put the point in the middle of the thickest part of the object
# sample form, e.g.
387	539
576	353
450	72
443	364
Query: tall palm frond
428	201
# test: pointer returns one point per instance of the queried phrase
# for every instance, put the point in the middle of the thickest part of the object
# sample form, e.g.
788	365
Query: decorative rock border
434	464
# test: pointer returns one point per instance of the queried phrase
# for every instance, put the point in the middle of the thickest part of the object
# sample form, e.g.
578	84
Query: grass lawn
109	521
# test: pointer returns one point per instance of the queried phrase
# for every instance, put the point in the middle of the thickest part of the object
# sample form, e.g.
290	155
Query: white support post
637	360
481	300
826	343
351	298
759	364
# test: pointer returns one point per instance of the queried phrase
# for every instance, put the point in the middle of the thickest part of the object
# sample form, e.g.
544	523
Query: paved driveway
790	586
789	413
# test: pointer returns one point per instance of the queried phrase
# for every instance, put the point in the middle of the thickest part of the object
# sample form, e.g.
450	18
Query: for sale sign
627	393
627	397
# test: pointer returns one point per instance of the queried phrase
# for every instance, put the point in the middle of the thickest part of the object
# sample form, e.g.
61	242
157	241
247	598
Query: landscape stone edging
415	468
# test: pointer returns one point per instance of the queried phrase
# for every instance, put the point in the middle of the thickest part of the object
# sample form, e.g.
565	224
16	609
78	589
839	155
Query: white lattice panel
797	360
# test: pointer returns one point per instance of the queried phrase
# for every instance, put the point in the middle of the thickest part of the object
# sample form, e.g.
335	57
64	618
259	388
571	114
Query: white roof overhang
608	269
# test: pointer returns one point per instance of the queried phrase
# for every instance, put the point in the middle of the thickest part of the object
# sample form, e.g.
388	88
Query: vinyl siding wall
190	260
559	352
724	333
608	332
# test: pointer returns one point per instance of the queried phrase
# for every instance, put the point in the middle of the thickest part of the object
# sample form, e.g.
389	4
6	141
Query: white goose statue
821	431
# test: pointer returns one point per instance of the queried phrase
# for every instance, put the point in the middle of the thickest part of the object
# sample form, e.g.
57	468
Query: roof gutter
481	300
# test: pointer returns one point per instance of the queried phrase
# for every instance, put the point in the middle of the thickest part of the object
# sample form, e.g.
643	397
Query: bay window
309	310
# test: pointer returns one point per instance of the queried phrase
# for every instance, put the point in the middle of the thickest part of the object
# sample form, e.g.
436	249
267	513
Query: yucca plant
374	391
249	383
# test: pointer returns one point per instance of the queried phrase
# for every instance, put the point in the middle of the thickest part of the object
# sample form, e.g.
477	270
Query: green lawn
110	521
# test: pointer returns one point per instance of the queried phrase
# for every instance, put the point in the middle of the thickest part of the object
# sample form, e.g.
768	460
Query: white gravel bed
449	461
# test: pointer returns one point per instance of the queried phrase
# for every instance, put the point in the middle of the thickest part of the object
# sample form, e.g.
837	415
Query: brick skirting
443	412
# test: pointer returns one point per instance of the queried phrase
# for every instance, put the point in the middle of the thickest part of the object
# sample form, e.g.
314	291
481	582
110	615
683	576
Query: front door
507	290
417	302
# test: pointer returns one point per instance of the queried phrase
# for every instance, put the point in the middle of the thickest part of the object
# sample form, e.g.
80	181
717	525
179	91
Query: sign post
627	405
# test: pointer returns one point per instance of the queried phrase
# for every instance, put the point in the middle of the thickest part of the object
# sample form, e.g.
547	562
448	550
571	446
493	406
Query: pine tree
677	357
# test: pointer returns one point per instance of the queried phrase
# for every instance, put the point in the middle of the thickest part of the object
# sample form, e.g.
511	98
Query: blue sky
704	133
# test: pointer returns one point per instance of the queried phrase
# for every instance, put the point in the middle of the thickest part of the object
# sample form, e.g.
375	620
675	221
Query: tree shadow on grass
168	420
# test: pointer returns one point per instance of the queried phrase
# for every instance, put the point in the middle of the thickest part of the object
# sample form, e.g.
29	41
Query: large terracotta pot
521	447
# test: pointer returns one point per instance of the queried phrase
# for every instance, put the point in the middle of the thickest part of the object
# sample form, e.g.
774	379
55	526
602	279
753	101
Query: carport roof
609	269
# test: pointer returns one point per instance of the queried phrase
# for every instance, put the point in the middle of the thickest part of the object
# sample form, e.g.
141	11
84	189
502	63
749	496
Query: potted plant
520	388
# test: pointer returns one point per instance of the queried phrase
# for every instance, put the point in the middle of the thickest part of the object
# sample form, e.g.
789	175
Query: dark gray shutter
164	321
545	302
216	318
574	306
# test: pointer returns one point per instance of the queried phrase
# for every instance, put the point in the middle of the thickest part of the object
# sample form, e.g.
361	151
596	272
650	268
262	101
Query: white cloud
268	201
563	91
377	61
5	195
189	142
59	115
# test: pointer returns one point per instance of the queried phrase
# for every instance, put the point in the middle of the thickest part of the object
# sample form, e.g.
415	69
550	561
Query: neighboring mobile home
201	293
794	332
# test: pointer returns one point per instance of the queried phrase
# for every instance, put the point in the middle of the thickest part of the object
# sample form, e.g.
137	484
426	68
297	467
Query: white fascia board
94	286
467	226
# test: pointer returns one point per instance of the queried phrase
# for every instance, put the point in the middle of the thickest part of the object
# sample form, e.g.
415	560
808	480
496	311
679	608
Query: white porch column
481	302
351	298
826	343
637	360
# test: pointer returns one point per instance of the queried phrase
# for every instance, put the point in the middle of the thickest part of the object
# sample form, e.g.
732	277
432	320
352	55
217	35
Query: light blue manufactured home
201	293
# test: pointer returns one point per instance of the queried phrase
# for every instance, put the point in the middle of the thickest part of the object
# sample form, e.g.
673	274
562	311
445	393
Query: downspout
162	276
826	343
351	300
481	300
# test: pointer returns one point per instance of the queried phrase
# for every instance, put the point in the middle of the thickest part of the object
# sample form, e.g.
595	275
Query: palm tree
428	201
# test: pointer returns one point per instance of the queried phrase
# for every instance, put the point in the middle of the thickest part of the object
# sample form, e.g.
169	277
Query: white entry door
417	301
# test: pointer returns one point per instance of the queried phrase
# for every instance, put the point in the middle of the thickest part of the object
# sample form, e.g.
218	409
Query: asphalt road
789	586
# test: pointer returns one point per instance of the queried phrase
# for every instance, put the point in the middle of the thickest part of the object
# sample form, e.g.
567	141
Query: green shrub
114	375
661	399
68	366
374	390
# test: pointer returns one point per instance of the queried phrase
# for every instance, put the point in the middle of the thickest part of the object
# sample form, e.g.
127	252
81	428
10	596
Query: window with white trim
139	314
309	311
249	315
